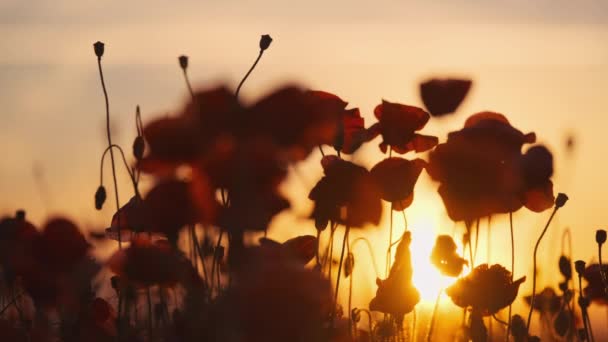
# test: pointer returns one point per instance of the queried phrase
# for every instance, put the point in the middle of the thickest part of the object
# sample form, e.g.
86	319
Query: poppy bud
20	215
583	302
565	267
355	315
561	200
600	236
100	197
518	327
99	49
265	42
183	61
114	282
138	147
349	265
579	266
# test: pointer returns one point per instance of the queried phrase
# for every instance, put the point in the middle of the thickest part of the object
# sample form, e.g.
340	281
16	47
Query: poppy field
193	260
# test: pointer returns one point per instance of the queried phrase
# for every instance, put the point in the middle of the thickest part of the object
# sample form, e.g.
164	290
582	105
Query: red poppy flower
443	96
61	245
398	123
595	289
146	263
486	289
546	301
97	322
276	299
129	219
296	120
483	172
445	258
396	178
300	249
347	194
397	295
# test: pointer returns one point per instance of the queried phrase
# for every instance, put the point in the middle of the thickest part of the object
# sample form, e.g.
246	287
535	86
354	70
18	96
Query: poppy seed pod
183	61
561	200
100	197
138	147
265	41
20	215
600	236
565	267
99	49
579	266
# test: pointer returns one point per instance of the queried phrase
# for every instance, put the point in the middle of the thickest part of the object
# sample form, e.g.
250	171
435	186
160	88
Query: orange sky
544	64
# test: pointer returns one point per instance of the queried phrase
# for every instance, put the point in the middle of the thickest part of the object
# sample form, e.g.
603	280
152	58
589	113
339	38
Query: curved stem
512	271
534	274
105	95
371	252
344	239
238	89
500	321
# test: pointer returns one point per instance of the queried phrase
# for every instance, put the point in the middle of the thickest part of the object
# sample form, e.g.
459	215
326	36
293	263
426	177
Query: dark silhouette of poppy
396	178
546	301
347	194
443	96
296	120
146	263
396	295
595	290
97	322
128	220
445	258
301	248
351	132
487	289
61	245
277	299
482	170
10	332
398	123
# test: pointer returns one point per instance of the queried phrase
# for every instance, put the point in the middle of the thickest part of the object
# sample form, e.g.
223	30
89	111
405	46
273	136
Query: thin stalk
344	239
534	275
512	271
187	79
390	244
434	316
214	262
238	89
602	273
476	239
105	94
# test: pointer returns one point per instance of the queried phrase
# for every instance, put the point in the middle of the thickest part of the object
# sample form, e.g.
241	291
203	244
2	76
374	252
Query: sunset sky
544	64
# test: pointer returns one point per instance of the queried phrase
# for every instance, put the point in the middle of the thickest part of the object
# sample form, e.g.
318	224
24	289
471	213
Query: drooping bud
561	200
265	41
183	61
349	264
100	197
99	49
138	147
600	236
565	267
579	266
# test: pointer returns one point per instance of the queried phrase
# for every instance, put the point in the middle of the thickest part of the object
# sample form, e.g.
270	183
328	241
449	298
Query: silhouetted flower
443	96
351	132
396	178
546	301
61	245
397	295
445	258
347	194
483	172
301	249
277	299
398	123
600	236
485	289
146	263
595	290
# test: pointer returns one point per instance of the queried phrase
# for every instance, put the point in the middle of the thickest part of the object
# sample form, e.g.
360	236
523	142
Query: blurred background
544	64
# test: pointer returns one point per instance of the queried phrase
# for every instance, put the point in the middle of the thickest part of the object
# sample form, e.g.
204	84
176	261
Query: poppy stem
476	239
214	262
321	150
344	239
187	79
468	242
602	273
390	244
434	316
107	102
512	270
238	89
350	294
535	265
317	257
